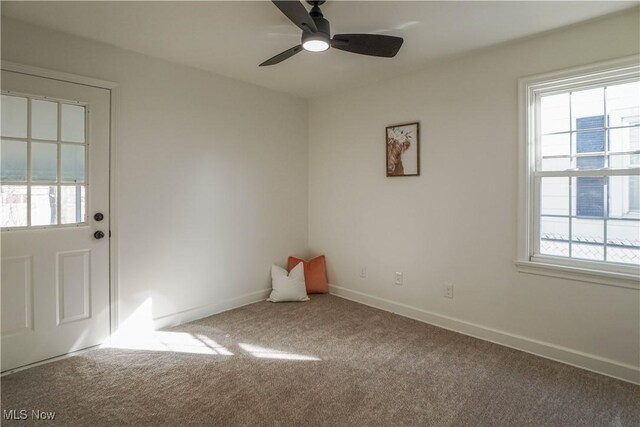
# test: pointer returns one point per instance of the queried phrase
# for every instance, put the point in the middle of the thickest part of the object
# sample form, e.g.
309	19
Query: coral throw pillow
315	274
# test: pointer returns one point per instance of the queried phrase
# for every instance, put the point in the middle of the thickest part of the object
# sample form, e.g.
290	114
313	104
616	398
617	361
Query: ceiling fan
316	35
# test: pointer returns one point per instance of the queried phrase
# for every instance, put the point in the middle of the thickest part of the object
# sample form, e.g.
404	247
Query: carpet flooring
327	362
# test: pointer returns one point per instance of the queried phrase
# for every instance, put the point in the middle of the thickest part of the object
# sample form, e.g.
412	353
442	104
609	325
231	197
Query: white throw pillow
288	287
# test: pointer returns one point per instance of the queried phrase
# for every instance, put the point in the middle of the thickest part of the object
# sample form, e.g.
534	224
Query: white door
55	178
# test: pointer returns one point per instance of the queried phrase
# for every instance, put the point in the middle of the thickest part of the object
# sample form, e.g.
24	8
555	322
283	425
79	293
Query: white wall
212	173
456	223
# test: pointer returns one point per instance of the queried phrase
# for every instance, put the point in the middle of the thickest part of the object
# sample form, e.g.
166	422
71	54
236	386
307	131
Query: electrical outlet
448	291
363	272
398	278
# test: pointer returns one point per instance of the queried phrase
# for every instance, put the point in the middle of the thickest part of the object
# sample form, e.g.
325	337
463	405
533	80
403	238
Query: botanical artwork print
403	150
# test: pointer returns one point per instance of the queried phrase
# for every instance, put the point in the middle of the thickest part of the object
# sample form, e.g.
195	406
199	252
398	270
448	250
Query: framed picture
403	149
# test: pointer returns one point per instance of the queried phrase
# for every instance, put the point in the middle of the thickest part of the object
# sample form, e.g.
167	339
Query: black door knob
98	234
98	216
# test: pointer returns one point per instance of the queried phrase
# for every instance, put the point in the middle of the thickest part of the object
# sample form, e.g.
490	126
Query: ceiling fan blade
368	44
282	56
297	13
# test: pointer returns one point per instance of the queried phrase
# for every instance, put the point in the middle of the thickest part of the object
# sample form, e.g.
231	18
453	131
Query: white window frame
601	74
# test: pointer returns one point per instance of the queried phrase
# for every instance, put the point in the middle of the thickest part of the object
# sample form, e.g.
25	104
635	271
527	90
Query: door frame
114	90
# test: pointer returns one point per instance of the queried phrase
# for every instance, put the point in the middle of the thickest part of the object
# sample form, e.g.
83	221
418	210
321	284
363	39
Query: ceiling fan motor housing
323	26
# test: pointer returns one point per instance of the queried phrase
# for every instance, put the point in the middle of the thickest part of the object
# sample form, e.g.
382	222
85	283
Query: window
580	186
43	170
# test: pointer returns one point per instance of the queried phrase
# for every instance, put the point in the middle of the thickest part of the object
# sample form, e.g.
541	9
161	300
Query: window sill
621	280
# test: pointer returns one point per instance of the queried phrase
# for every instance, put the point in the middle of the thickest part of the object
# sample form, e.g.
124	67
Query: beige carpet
326	362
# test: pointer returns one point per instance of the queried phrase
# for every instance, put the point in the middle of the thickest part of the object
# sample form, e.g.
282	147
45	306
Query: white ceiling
232	38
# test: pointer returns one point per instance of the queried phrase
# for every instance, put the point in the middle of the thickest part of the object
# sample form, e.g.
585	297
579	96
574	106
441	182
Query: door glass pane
44	120
14	206
44	205
14	160
72	123
72	203
14	116
72	167
44	161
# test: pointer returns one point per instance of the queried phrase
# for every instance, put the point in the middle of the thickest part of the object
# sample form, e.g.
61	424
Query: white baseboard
196	313
561	354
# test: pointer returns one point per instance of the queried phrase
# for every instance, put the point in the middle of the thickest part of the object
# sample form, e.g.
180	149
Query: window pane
14	160
14	205
625	139
623	200
552	228
556	145
589	196
623	233
44	205
634	195
587	230
556	164
44	120
590	141
72	163
14	116
592	252
589	162
624	161
44	161
623	255
554	196
624	236
72	123
587	109
623	104
549	247
555	113
72	204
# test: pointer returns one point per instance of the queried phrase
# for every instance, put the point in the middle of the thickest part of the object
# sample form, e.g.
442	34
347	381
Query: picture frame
403	149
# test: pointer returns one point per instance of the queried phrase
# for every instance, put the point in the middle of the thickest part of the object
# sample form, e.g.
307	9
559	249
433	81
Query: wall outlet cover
448	291
398	278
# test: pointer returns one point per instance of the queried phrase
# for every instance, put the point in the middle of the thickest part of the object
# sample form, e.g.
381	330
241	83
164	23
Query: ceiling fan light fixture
315	42
315	45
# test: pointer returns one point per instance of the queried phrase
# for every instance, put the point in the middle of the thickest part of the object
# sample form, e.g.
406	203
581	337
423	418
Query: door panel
55	273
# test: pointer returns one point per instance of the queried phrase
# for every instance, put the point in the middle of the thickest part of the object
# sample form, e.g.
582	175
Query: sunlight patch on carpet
268	353
178	342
